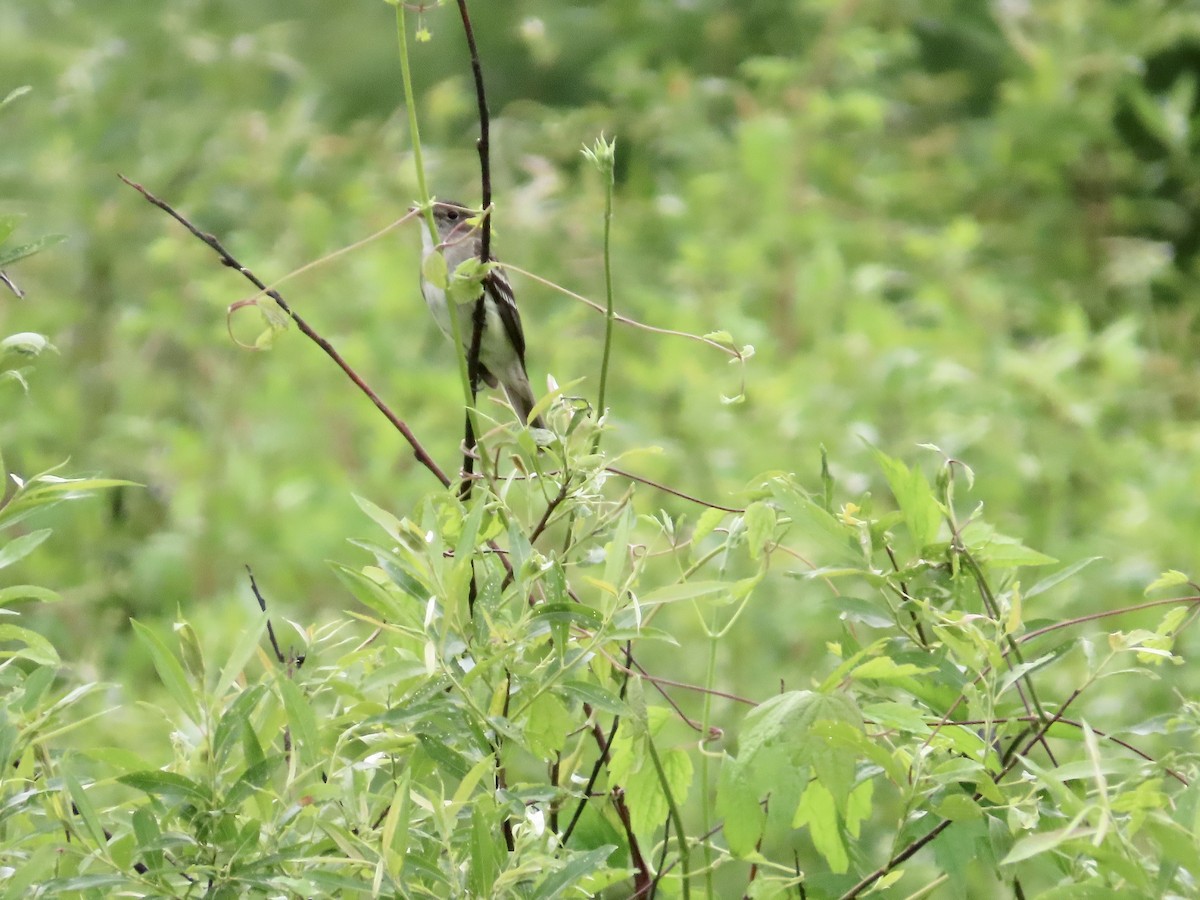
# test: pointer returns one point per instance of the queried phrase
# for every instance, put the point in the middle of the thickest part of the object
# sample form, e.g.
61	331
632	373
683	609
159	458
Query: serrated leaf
743	817
818	811
709	520
921	510
759	519
884	668
1168	579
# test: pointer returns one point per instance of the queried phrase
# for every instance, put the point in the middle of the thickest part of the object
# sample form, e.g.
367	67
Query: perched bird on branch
502	341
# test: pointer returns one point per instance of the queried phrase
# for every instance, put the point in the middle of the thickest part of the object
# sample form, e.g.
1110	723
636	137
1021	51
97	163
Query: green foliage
953	225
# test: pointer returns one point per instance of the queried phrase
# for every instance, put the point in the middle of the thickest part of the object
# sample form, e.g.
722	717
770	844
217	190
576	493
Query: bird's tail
520	395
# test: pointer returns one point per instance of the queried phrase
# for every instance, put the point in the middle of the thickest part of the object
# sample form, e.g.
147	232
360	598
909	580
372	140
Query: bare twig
282	658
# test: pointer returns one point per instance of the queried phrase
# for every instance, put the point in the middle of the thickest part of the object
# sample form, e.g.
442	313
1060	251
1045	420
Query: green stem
609	314
706	812
676	818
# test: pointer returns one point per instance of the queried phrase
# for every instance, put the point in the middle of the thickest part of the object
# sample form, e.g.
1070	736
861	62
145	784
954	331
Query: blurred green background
950	222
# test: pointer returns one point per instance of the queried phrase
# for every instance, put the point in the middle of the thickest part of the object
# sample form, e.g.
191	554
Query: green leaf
884	668
169	670
709	520
485	857
580	866
1058	577
27	344
1168	579
86	810
742	815
434	270
235	718
547	724
380	516
617	549
19	548
10	221
13	95
168	785
20	592
302	721
687	590
921	510
595	696
1044	842
818	811
189	646
21	251
759	519
248	637
37	648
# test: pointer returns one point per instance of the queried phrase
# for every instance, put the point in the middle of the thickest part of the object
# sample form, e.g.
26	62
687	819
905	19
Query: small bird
502	343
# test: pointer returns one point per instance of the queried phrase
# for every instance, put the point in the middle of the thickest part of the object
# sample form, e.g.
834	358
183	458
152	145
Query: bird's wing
496	284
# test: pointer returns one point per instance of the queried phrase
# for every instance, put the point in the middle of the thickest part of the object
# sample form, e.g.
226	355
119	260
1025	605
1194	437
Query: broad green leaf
759	519
709	520
1170	578
884	668
921	510
818	811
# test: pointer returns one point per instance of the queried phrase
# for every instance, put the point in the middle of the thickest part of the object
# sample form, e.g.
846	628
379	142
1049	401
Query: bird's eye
452	215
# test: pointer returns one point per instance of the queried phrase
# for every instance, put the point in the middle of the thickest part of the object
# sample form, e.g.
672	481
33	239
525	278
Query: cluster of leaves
519	746
493	721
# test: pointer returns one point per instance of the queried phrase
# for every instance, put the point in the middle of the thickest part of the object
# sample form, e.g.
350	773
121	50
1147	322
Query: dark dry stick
400	425
479	313
262	604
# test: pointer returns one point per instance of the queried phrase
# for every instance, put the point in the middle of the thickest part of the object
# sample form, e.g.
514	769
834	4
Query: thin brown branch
399	424
1108	613
625	320
641	479
1100	734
